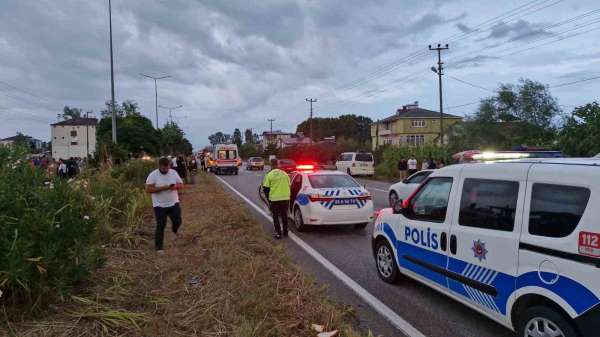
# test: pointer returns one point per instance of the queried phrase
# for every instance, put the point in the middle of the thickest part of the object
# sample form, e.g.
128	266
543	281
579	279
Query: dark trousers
161	213
279	210
411	172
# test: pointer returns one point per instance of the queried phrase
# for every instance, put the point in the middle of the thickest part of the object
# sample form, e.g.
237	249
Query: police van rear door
484	239
423	229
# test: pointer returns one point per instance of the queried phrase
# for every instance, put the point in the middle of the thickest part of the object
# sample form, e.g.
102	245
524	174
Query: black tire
348	171
546	318
385	262
361	225
298	222
235	172
393	197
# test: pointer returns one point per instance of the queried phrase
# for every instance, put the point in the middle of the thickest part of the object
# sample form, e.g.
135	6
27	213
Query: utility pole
87	136
171	108
440	72
311	101
112	78
156	92
271	121
377	136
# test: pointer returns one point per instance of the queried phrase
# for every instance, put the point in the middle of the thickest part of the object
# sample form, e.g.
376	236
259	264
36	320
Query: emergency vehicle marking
572	292
479	251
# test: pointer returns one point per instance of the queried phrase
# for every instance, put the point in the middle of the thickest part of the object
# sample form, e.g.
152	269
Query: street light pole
440	72
311	101
112	78
155	92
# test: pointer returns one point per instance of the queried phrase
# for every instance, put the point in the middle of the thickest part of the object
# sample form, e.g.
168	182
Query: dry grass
223	278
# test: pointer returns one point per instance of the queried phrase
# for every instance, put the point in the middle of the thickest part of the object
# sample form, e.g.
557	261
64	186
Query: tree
347	126
219	138
580	135
248	137
237	138
174	141
70	113
525	114
136	134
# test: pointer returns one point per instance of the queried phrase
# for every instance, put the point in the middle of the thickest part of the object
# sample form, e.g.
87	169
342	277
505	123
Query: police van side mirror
397	208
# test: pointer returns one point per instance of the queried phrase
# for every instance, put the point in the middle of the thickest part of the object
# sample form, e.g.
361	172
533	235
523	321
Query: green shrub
134	171
388	156
47	233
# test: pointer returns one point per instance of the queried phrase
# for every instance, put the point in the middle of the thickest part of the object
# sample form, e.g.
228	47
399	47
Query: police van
517	241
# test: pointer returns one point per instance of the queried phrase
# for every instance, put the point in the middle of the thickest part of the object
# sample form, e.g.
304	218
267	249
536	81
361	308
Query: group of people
408	167
186	168
68	168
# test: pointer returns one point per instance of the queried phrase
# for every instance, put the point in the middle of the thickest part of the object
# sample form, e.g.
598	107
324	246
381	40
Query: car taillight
319	197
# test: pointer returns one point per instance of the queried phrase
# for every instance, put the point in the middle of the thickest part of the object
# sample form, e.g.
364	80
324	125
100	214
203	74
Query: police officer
276	186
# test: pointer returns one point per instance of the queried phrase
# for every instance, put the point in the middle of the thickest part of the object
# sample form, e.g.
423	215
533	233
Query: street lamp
156	92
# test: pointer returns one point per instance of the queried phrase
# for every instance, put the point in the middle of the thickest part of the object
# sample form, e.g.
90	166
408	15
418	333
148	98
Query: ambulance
225	159
517	241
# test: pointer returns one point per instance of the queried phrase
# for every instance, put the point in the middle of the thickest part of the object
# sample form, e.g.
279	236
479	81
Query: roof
19	137
416	113
276	132
77	121
293	141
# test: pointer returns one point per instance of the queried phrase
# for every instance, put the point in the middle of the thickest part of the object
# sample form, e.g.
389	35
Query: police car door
423	228
484	239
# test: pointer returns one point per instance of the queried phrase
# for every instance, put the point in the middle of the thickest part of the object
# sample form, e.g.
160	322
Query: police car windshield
331	181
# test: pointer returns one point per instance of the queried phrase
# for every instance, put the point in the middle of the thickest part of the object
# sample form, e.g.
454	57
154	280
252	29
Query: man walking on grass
163	183
276	186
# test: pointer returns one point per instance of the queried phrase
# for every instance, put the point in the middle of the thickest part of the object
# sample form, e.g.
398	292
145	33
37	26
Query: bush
387	157
134	171
47	233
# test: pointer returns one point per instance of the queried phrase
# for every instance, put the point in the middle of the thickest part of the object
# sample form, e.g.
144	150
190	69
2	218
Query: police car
517	241
322	197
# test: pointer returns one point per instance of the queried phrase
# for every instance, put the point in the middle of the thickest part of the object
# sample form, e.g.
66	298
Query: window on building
431	202
415	140
556	209
73	143
489	204
417	123
73	133
387	141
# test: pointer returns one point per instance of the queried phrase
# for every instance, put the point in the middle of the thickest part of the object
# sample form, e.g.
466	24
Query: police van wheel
349	172
300	226
541	321
386	263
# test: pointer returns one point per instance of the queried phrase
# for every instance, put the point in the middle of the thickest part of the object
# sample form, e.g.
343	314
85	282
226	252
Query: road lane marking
397	321
376	189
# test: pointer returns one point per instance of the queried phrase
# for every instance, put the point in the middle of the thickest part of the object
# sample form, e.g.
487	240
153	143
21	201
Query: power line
471	84
574	82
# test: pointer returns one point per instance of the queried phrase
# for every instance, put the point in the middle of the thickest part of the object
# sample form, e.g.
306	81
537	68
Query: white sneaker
160	252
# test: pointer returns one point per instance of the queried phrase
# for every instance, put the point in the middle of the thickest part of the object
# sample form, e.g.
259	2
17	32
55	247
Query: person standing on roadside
412	165
403	168
276	186
163	183
193	168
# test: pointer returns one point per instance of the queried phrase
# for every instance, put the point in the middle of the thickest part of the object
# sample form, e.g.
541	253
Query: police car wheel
541	321
348	171
298	220
393	199
386	263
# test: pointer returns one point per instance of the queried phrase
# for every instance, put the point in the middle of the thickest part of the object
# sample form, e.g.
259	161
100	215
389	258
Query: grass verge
223	277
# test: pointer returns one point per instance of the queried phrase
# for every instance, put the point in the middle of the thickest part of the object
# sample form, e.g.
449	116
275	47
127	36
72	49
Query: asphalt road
349	249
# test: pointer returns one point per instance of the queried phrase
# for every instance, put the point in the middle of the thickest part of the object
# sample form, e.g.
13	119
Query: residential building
35	144
410	126
293	141
75	137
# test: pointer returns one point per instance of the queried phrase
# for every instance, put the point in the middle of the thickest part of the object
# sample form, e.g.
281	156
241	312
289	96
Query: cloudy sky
237	63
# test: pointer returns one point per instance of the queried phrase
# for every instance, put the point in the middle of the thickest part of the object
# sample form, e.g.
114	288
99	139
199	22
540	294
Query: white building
75	137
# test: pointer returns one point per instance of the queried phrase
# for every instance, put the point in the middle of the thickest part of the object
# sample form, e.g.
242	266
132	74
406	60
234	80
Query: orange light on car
305	167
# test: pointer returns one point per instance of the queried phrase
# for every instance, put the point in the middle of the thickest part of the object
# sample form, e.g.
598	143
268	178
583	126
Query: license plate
339	202
364	165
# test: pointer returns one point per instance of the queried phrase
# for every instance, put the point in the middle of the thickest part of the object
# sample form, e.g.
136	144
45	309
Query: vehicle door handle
453	244
444	243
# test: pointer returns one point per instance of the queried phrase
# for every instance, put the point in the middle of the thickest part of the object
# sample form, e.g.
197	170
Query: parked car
356	163
517	241
286	165
403	189
255	163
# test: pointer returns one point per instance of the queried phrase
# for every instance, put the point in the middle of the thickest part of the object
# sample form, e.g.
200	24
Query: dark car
286	165
255	163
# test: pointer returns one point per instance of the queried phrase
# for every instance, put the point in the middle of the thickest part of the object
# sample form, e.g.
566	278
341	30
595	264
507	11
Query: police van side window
431	202
556	209
488	204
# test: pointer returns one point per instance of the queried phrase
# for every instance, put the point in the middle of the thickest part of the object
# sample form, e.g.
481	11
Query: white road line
376	189
397	321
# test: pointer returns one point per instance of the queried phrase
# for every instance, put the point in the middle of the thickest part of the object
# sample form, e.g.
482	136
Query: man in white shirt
163	183
412	165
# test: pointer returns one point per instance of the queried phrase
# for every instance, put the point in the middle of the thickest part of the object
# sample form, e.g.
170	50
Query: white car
356	163
403	189
322	197
518	242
